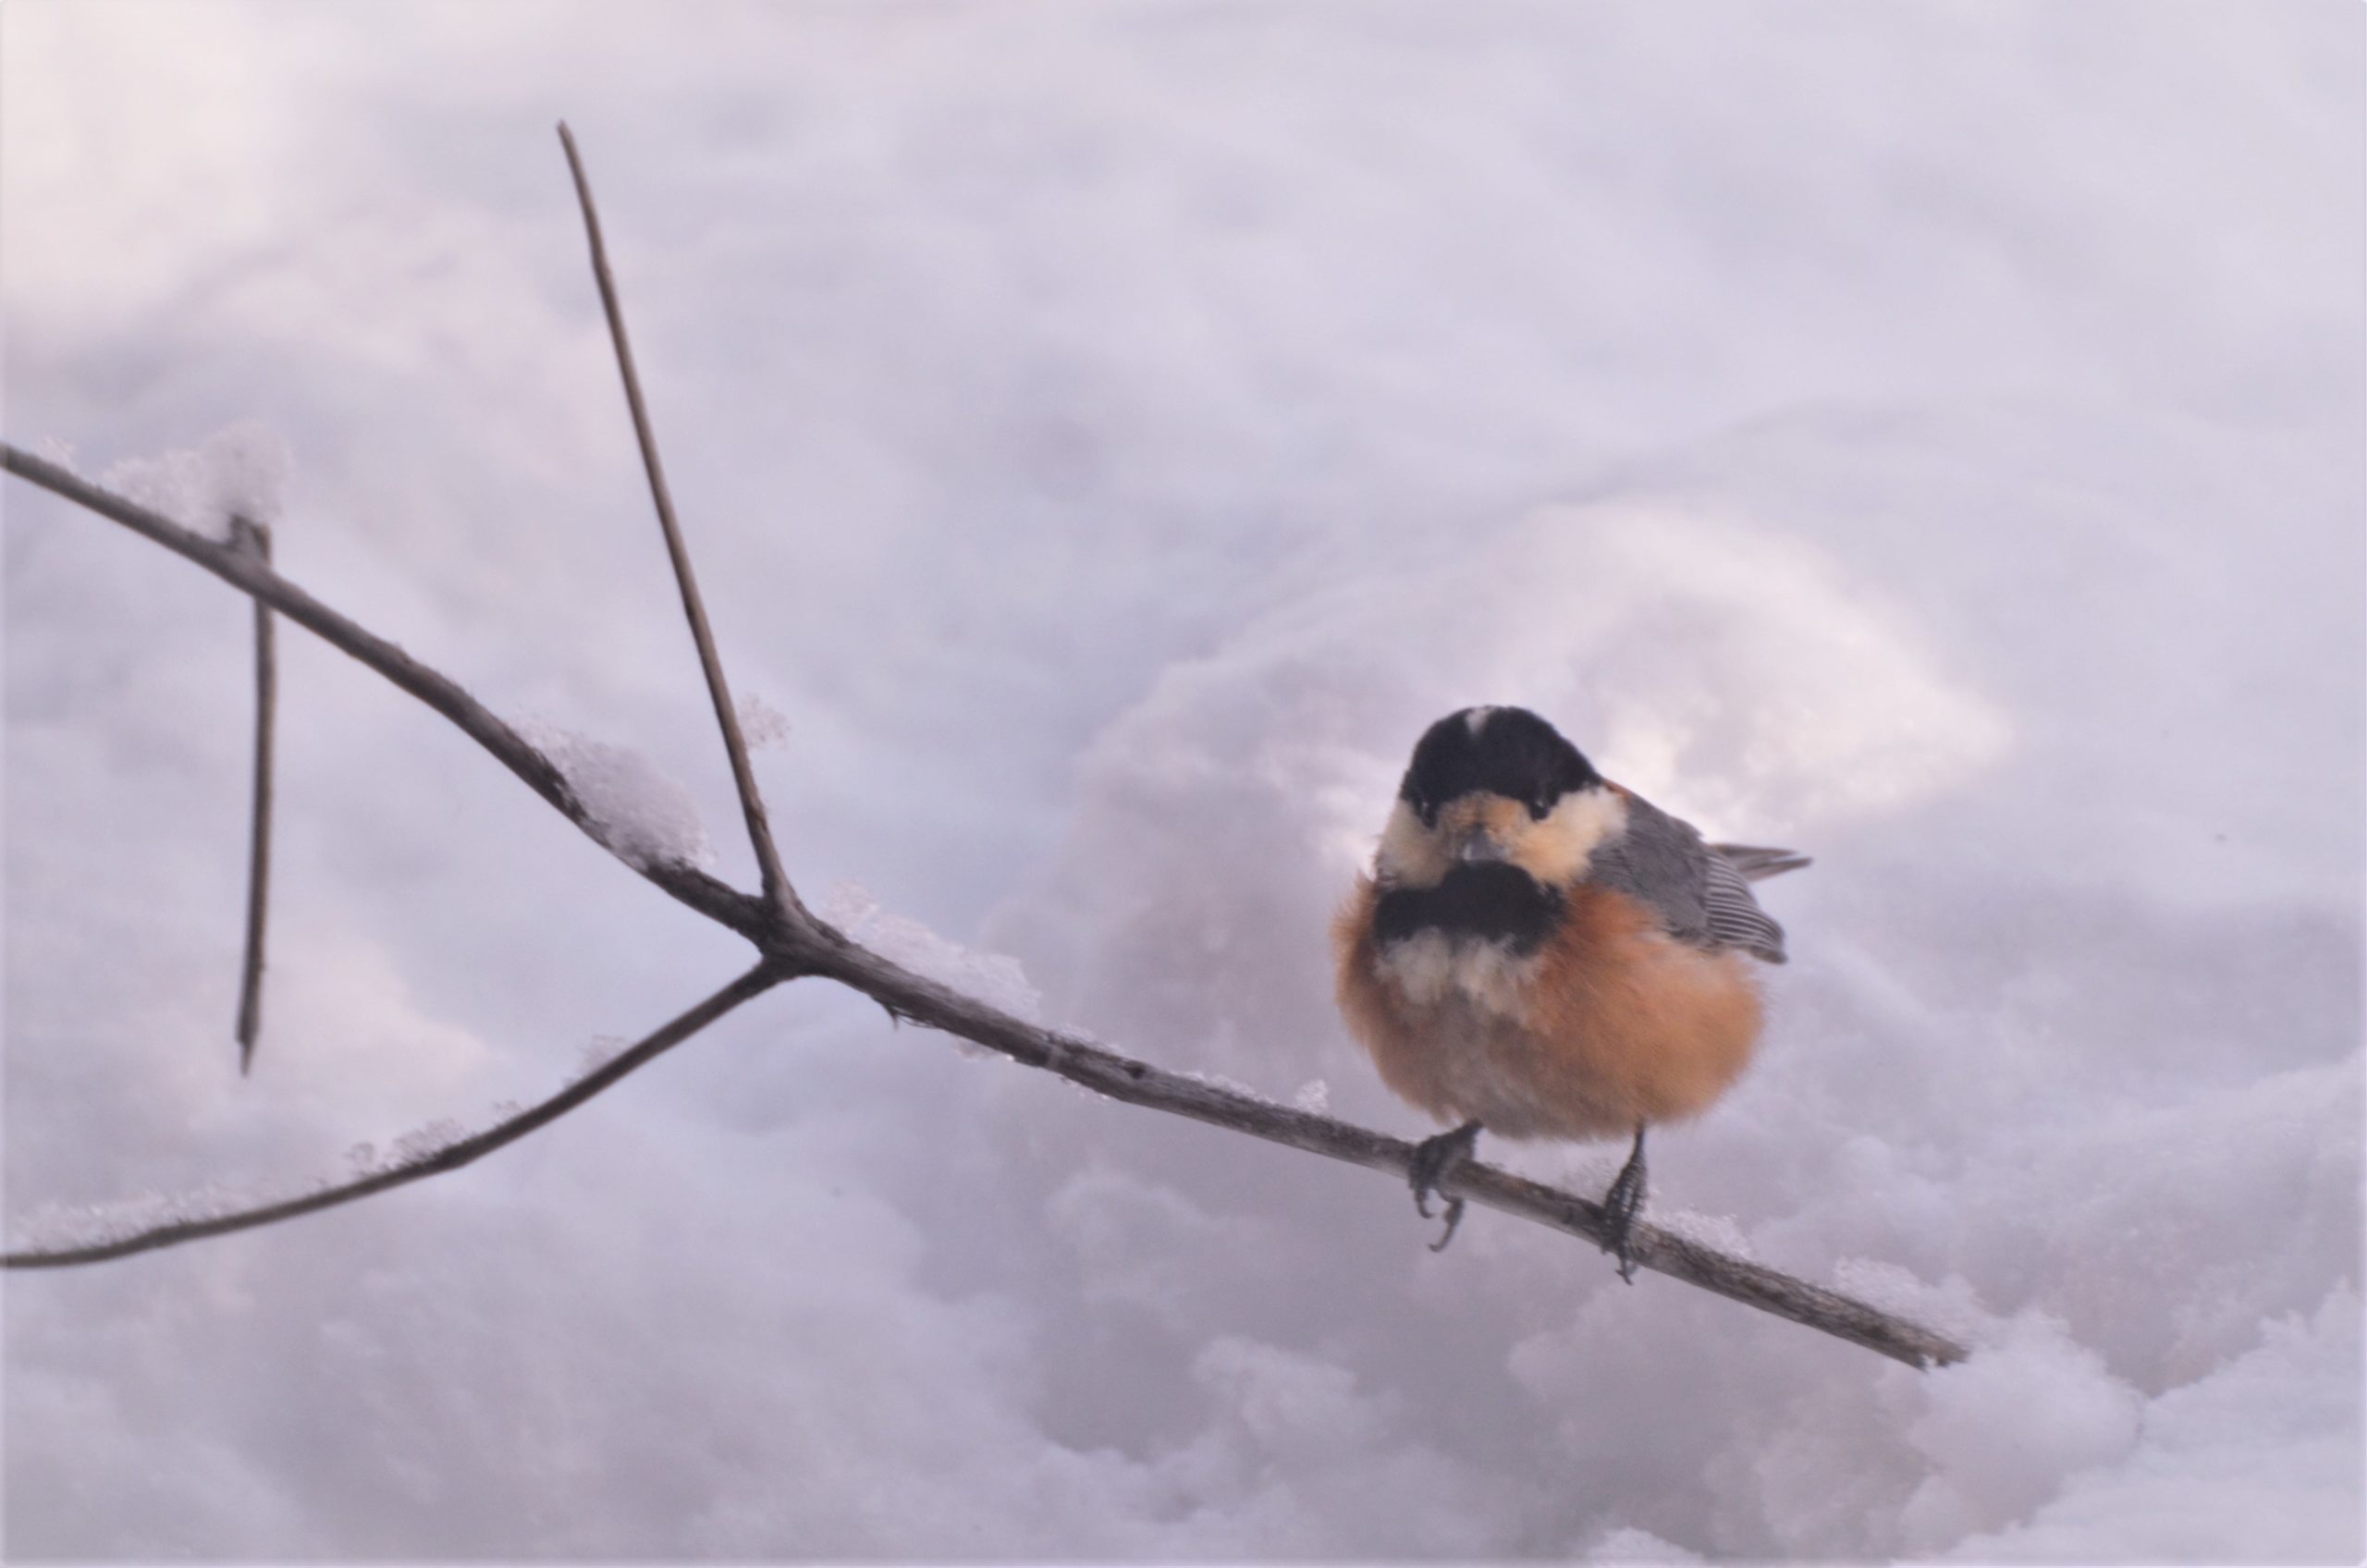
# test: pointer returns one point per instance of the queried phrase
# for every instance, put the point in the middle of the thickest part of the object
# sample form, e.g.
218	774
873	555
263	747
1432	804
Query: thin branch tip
254	539
779	892
435	1162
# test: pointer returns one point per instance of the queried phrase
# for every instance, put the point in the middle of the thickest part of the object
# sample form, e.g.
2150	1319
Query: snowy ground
1924	435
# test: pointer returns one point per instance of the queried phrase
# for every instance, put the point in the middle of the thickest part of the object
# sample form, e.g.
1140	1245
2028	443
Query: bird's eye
1428	811
1541	807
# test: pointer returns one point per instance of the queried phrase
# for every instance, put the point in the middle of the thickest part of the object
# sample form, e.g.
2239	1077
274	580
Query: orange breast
1612	1023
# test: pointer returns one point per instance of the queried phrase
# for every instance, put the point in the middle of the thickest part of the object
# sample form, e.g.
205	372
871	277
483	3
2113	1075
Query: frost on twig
95	1234
76	1227
427	1142
596	1054
58	1227
1713	1233
761	724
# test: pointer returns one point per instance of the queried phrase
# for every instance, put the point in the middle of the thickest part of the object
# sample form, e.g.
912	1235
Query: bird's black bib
1487	901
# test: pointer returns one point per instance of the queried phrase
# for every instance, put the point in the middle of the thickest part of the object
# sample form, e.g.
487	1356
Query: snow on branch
637	813
238	474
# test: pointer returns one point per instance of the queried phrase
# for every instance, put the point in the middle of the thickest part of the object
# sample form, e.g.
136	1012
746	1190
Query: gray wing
1703	897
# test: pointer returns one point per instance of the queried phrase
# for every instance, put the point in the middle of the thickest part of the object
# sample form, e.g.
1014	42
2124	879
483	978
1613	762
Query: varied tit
1544	954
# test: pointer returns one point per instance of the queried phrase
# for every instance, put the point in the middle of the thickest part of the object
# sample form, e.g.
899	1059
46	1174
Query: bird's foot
1434	1161
1621	1204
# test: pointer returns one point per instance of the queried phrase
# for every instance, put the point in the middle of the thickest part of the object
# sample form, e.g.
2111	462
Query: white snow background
1925	435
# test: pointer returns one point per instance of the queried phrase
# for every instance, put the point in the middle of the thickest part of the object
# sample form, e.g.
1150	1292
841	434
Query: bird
1539	953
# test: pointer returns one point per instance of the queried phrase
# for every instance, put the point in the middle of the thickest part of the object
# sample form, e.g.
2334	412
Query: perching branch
777	887
468	1151
256	539
792	943
1120	1077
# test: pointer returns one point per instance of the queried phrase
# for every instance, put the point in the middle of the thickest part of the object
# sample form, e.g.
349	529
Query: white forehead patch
1477	719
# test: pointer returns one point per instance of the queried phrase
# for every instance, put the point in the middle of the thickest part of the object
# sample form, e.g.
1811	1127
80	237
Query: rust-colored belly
1611	1023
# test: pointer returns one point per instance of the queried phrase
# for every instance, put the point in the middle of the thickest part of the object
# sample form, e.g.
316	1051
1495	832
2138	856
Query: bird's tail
1757	865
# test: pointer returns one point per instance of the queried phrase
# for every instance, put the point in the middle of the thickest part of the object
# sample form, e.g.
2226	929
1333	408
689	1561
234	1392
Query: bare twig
451	1157
777	886
256	539
692	887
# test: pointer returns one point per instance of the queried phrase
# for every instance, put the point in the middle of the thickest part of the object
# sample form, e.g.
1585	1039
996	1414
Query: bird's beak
1477	847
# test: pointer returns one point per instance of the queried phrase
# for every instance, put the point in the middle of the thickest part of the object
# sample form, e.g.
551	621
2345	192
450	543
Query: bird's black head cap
1508	752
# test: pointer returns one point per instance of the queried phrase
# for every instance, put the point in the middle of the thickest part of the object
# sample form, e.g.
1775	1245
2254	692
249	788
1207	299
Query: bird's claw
1621	1204
1434	1161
